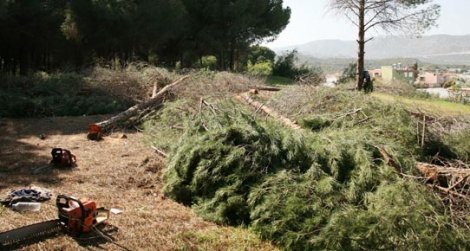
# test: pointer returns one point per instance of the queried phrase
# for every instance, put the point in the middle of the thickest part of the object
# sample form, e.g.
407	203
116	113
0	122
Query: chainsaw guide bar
23	234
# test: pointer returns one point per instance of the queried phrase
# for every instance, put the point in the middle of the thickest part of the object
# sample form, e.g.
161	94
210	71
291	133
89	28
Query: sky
311	20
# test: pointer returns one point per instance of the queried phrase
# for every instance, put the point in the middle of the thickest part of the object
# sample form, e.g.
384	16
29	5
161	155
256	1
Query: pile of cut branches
348	182
332	189
202	84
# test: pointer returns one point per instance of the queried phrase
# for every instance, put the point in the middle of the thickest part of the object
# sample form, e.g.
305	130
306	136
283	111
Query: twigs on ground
159	152
211	106
452	181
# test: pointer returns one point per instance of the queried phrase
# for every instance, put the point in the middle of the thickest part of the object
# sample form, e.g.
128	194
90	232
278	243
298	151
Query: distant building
407	74
430	79
375	73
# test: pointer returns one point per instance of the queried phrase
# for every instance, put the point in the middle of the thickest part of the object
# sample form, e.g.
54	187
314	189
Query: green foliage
224	162
260	68
53	34
344	110
165	127
260	61
460	144
227	28
285	67
276	80
261	54
55	95
399	215
349	74
329	190
209	62
315	123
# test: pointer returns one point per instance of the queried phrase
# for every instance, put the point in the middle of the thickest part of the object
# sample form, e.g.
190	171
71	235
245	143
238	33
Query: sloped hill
441	49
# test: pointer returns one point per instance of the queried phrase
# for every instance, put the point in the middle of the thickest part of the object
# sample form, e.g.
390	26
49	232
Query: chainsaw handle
63	201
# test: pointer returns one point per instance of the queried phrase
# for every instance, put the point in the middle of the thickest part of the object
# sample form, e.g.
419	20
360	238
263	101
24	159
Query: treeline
52	34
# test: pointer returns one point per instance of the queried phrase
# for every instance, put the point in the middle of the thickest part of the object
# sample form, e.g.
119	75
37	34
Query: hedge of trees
50	34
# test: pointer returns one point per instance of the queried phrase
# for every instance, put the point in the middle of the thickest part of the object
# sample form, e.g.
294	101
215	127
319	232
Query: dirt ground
117	172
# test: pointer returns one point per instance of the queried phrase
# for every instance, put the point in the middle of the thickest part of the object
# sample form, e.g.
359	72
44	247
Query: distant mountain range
435	49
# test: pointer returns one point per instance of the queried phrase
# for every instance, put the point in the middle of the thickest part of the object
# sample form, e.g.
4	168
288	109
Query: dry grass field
117	172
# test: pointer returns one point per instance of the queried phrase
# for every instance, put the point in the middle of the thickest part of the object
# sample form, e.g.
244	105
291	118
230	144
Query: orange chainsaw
76	217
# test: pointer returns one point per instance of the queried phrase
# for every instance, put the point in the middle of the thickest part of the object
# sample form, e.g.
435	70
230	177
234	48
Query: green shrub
285	66
263	68
209	62
349	74
459	143
54	95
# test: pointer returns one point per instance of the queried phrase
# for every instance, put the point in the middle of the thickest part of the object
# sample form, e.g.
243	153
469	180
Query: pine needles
329	190
326	189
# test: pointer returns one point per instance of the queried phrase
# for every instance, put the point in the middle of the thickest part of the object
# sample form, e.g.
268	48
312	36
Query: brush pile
133	83
331	189
186	102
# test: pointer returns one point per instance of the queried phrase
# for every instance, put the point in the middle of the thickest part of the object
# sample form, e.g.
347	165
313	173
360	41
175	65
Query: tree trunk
245	97
23	62
95	130
361	43
232	56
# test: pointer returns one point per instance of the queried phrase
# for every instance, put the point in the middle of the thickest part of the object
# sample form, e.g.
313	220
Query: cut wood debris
245	97
95	130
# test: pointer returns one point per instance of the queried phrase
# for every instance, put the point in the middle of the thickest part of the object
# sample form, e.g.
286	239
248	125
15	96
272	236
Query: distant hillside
436	49
338	64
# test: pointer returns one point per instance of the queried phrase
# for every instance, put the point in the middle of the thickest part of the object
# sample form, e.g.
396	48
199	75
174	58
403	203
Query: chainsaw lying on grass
76	217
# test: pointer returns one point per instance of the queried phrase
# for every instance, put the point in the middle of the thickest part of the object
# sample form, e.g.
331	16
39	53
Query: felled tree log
95	130
431	172
245	97
267	88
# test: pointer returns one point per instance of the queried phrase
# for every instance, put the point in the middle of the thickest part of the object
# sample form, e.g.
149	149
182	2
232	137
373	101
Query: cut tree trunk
154	91
245	97
267	88
95	130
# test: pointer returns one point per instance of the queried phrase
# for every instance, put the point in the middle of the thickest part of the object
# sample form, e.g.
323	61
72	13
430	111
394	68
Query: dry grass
116	172
438	108
133	83
394	87
207	84
223	238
